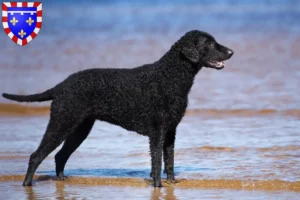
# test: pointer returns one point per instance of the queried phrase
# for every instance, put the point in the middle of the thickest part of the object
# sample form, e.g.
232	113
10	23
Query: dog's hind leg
169	155
71	144
57	131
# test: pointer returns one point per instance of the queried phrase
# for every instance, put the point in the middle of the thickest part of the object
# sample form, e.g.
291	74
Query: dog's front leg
169	155
156	147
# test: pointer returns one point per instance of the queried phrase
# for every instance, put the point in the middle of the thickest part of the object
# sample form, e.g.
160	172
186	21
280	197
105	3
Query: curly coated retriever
150	100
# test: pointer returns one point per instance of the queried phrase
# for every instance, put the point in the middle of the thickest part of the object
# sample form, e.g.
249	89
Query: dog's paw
170	178
60	178
171	181
26	184
157	184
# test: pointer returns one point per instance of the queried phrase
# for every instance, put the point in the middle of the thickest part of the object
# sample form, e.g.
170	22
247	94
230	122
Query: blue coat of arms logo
22	21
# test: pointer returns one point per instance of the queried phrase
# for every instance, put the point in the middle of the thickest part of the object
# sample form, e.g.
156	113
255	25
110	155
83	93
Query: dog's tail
44	96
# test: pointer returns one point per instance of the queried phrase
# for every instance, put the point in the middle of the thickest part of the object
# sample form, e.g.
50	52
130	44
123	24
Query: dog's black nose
230	52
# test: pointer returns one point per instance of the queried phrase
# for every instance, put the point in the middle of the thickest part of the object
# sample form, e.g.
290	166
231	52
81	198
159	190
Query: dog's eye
210	44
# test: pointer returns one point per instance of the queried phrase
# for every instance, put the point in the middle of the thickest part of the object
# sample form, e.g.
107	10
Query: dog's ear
191	53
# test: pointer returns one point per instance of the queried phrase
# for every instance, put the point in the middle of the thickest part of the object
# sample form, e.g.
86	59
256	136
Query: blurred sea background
240	135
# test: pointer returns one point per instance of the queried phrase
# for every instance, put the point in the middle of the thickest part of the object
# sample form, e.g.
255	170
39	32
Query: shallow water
58	190
212	154
240	135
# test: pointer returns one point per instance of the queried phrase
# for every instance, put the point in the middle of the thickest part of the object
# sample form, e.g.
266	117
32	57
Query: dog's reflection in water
60	191
166	193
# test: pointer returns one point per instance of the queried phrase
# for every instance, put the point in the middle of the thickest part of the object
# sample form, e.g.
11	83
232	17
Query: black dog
150	100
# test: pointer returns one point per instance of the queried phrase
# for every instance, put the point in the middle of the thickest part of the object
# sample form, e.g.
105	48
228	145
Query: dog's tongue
220	64
217	64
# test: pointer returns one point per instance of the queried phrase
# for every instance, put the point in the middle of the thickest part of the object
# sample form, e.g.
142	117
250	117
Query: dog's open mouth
216	64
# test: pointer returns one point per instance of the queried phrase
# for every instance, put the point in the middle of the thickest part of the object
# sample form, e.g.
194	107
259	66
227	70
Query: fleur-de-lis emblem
14	21
22	33
29	21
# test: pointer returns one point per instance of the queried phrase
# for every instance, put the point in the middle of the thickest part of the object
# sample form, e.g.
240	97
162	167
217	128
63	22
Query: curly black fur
150	100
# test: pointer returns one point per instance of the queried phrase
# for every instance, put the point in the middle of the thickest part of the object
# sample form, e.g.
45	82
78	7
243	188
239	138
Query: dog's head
202	48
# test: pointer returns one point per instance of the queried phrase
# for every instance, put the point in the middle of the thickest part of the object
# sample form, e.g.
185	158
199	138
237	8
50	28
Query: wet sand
180	183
